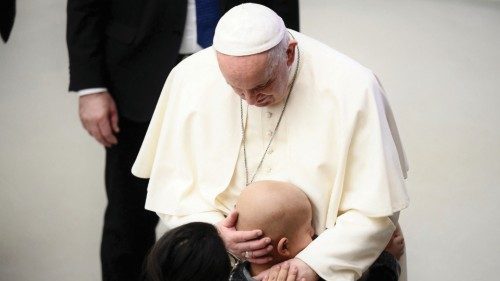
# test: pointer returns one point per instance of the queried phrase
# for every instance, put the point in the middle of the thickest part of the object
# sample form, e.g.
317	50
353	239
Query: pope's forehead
244	71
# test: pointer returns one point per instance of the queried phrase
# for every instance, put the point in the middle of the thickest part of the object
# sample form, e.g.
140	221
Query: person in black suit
7	15
120	53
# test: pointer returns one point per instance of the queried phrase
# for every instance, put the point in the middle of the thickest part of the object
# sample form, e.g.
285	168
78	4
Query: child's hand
396	246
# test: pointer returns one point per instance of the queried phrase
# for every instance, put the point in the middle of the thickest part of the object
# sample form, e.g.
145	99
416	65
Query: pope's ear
282	247
290	52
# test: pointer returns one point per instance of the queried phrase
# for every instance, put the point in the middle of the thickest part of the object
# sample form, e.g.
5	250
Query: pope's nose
250	97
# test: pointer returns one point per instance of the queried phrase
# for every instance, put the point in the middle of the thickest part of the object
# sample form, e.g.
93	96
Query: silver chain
244	126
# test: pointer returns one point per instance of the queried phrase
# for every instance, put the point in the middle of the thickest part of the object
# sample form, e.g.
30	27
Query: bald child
284	213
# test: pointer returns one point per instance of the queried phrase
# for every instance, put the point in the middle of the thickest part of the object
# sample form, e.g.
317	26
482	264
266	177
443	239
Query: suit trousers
129	229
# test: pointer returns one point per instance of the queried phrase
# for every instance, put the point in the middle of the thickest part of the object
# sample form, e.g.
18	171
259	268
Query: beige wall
438	60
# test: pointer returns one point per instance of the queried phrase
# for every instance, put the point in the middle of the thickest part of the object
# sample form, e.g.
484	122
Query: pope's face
254	80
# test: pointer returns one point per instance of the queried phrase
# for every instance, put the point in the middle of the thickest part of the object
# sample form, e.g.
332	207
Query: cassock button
269	133
269	114
270	151
269	170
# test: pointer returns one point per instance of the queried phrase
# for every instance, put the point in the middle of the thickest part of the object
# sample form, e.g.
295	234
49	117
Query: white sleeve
90	91
372	189
343	252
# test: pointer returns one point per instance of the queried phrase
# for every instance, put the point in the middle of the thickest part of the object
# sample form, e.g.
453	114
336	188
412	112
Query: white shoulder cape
346	149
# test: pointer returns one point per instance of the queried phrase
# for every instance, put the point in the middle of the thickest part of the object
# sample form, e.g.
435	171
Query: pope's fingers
261	260
252	245
399	240
230	220
304	270
227	230
262	252
283	272
245	236
292	275
262	275
273	275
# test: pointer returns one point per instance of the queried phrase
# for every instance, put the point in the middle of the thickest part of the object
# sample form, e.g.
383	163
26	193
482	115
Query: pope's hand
99	117
246	245
396	245
304	272
282	273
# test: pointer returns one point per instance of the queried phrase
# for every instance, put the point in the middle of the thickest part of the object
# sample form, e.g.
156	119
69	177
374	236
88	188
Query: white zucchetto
248	29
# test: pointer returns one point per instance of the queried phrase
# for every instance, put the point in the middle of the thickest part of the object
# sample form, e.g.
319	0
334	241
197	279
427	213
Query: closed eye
265	85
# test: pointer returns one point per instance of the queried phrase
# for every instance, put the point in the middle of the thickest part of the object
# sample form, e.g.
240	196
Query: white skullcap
248	29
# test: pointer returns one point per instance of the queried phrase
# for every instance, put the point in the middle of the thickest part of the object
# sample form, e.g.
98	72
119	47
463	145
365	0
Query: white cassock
338	142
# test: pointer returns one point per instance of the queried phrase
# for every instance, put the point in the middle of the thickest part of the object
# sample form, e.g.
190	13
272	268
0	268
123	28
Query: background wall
438	60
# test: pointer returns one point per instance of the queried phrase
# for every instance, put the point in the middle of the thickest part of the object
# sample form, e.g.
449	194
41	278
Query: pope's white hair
277	54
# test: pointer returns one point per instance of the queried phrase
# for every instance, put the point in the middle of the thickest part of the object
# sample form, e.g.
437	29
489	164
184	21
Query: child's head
190	252
282	211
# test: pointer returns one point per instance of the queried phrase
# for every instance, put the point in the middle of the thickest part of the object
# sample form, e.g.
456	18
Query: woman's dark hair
190	252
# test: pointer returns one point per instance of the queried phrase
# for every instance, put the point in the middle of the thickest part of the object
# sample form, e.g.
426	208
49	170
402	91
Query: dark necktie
207	16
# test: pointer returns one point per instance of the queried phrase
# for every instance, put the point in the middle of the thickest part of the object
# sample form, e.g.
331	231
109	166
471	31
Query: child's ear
282	247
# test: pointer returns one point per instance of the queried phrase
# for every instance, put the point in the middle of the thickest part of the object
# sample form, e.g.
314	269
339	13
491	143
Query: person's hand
396	246
282	273
304	272
246	245
99	117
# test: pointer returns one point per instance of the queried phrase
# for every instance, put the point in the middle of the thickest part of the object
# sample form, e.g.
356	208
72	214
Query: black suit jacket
130	46
7	14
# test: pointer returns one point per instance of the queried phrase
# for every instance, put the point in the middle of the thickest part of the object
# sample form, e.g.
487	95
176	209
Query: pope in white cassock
267	103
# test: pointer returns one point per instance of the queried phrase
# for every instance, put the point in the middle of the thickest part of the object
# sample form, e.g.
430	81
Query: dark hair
190	252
